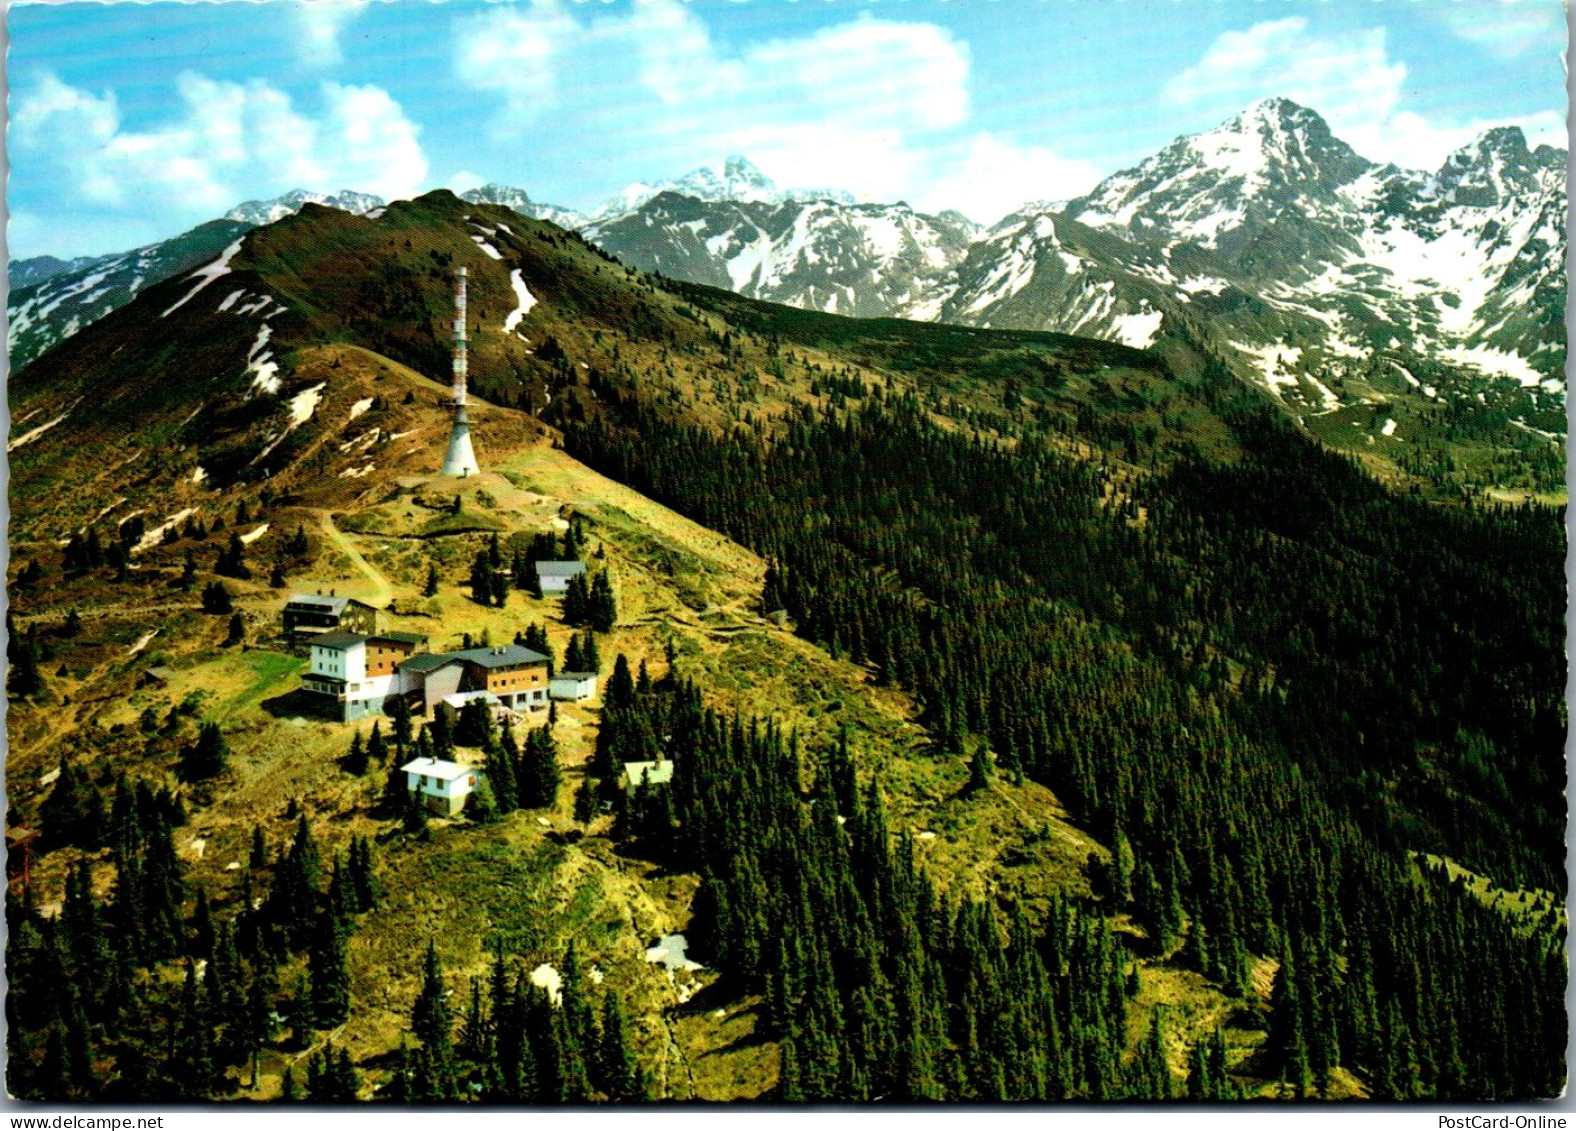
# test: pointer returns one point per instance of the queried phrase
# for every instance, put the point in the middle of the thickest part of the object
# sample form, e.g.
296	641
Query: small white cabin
443	786
553	577
652	773
572	687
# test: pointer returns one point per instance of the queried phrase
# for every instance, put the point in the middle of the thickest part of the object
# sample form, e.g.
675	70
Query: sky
132	122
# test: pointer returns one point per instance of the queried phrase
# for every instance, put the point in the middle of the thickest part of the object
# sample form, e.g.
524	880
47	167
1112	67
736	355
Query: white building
443	786
651	773
572	687
359	673
553	577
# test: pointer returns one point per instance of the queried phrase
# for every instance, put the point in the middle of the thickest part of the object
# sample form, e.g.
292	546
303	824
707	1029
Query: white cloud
224	142
1507	29
994	177
318	27
873	106
1349	78
463	181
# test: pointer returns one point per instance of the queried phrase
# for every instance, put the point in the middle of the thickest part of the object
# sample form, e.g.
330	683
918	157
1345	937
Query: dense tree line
151	994
1259	683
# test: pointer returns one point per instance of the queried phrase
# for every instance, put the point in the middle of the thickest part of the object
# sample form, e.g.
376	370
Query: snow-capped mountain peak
261	212
737	181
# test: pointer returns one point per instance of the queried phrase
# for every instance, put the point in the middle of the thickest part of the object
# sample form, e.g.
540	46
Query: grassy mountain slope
1124	513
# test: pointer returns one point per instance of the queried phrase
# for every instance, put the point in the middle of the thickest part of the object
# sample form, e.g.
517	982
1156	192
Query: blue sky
131	122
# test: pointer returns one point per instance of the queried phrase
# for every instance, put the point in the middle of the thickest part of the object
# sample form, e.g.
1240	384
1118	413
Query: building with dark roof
306	617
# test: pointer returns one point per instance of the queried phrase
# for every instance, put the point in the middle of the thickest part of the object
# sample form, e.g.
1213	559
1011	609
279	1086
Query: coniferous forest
1272	686
978	716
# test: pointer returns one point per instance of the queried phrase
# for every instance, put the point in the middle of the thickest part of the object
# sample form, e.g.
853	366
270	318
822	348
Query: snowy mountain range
260	212
1267	241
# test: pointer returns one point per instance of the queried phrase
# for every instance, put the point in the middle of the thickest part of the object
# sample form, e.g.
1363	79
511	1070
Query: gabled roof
653	773
426	663
559	569
575	675
434	768
322	604
338	641
402	637
499	656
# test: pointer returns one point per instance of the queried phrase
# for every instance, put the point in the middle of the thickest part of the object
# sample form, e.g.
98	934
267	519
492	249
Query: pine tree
620	694
377	749
481	580
539	777
232	562
327	964
207	757
357	761
23	680
433	1023
430	589
601	609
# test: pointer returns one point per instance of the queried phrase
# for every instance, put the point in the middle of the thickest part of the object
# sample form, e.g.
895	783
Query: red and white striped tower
461	459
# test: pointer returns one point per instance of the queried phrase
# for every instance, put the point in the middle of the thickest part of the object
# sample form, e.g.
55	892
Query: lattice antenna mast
459	336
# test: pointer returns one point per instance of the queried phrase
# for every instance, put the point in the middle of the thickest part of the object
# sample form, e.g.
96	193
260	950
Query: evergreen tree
430	589
232	562
207	757
357	761
601	610
433	1023
539	776
327	965
23	680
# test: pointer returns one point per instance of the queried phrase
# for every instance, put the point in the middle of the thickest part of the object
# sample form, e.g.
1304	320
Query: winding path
382	593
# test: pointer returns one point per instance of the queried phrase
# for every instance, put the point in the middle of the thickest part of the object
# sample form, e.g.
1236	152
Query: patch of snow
156	535
230	301
196	847
49	777
233	866
545	977
492	252
199	474
357	472
261	365
1496	363
205	275
304	404
524	302
1389	428
248	539
1137	330
1525	427
1329	400
360	407
33	434
670	952
142	642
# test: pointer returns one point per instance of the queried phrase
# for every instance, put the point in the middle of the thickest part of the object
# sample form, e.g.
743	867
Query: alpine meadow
1073	609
